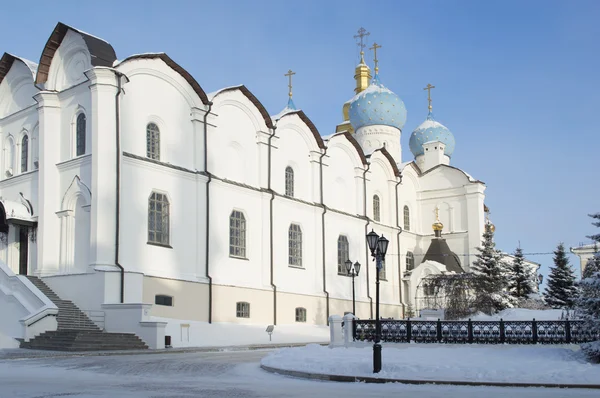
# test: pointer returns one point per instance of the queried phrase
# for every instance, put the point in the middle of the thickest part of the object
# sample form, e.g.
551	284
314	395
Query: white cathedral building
130	191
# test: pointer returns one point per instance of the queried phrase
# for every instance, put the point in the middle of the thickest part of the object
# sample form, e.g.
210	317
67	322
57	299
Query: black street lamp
378	246
353	272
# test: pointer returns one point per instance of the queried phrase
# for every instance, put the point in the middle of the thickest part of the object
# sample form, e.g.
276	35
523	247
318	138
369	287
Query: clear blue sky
517	81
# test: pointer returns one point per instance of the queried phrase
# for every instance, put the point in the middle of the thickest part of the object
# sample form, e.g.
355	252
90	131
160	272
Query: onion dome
437	225
428	131
377	105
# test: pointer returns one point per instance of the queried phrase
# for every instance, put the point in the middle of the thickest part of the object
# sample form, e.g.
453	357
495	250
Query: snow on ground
211	375
203	334
520	314
499	363
7	342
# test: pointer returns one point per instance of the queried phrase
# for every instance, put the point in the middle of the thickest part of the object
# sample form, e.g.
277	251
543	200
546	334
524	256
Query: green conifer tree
561	291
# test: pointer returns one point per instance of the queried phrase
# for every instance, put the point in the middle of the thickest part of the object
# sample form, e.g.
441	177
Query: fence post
501	331
568	331
470	331
336	337
349	329
408	331
534	331
439	330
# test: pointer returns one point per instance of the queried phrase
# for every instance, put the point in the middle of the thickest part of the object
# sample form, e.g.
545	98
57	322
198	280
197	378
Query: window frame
80	134
409	256
153	141
406	212
300	314
295	245
162	297
24	153
343	250
239	250
165	219
242	309
289	181
376	208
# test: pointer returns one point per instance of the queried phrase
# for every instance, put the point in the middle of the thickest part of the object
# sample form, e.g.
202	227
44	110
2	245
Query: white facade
156	174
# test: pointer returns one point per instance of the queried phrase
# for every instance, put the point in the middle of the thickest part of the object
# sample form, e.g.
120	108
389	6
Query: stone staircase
76	332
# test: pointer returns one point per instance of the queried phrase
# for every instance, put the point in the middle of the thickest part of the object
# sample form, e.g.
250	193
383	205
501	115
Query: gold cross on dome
428	88
375	60
289	74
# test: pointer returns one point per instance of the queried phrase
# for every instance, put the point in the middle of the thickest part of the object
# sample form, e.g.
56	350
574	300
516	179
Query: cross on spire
428	88
289	74
375	60
362	33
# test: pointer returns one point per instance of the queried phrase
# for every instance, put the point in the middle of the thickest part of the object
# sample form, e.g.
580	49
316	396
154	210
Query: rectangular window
242	310
160	299
295	246
300	314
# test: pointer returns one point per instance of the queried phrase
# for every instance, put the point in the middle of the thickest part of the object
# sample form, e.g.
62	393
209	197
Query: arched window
24	153
343	254
289	181
80	135
376	208
242	309
152	141
410	261
295	245
300	314
406	218
158	219
237	234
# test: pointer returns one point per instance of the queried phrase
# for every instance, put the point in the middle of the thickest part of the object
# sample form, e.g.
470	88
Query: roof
7	60
354	143
440	251
309	124
253	99
389	157
177	68
102	53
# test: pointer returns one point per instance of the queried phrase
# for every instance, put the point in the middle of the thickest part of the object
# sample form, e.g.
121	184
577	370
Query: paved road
206	374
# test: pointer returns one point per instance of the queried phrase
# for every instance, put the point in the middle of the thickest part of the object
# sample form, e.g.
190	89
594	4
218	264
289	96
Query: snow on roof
30	64
429	124
401	166
215	93
117	62
373	88
281	114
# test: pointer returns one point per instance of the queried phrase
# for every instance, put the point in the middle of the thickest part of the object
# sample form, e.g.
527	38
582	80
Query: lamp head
356	268
382	245
348	264
372	239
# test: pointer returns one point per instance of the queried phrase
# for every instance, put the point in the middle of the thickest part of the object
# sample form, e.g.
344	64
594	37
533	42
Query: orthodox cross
289	74
375	60
362	33
437	216
428	88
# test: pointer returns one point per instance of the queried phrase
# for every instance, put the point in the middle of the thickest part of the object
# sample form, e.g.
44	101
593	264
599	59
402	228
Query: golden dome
491	226
437	225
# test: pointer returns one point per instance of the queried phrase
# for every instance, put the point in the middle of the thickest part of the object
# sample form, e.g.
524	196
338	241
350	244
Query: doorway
23	250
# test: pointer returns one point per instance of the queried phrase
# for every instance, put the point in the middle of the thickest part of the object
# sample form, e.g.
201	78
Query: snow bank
502	363
8	342
520	314
203	334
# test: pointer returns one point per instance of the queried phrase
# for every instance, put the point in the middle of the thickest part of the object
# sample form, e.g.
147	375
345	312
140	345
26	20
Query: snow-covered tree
561	291
521	282
409	312
588	303
491	277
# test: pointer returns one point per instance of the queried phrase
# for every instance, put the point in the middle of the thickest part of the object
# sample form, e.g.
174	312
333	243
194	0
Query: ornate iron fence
476	332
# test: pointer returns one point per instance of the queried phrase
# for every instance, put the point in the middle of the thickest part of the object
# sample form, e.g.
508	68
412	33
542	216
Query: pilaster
49	114
103	89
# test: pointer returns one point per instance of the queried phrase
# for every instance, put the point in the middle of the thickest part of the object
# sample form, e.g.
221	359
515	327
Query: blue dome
376	105
428	131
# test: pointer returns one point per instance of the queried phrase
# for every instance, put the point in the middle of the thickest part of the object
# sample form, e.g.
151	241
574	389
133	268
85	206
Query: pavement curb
381	380
24	353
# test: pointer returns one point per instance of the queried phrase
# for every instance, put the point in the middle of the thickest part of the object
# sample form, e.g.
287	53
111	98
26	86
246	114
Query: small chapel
154	206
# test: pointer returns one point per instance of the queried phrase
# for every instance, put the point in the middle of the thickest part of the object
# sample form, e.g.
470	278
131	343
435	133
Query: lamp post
378	246
353	272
